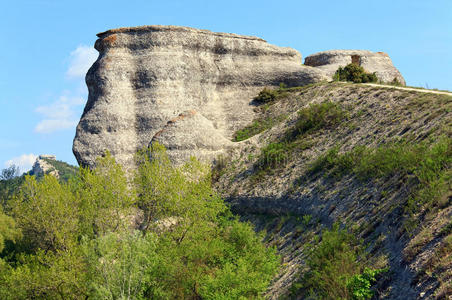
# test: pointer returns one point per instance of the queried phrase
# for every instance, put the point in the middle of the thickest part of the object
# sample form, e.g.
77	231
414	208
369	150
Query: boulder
147	76
378	62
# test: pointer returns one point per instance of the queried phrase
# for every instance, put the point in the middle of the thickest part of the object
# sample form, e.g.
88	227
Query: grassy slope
411	242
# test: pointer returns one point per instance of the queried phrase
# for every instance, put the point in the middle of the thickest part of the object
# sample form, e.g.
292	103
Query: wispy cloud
63	113
24	162
81	60
59	115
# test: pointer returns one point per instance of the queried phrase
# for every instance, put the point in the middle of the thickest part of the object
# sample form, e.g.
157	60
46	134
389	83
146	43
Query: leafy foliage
9	173
337	268
257	127
266	95
355	73
8	230
75	239
315	117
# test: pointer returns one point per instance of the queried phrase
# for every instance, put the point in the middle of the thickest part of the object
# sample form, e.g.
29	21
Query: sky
46	47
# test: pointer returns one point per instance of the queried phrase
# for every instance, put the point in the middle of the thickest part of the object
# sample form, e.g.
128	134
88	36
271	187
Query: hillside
48	164
63	170
376	159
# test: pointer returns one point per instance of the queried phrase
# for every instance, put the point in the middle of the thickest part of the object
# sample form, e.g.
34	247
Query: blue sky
46	47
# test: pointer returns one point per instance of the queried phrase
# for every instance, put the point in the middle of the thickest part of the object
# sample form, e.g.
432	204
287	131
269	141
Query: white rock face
147	76
378	62
41	166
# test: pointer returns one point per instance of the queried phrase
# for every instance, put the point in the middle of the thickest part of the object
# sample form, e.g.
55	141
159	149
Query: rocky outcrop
147	76
42	166
378	62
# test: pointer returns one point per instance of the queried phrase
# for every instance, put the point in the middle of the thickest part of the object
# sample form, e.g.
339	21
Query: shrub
269	95
310	119
355	73
257	127
274	155
427	164
337	268
266	95
317	116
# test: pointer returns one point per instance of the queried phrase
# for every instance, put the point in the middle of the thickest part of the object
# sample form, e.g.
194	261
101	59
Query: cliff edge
145	77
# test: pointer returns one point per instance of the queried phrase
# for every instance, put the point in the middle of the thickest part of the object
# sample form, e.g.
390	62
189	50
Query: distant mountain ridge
48	164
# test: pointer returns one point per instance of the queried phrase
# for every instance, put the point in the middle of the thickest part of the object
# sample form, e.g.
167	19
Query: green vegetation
266	95
76	239
9	183
65	170
337	268
319	116
355	73
427	166
270	95
257	127
315	117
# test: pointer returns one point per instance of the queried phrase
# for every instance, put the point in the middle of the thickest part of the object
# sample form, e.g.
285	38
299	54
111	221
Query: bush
337	268
274	155
266	95
317	116
269	95
310	119
355	73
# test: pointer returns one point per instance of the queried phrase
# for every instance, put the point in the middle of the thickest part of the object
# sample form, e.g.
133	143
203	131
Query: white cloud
60	115
49	126
80	61
24	162
64	113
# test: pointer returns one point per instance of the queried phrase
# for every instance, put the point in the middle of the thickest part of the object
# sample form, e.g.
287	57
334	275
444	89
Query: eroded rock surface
42	166
378	62
146	76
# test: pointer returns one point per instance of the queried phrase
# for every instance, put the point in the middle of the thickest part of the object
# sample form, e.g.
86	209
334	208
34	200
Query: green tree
105	198
47	214
9	173
79	242
355	73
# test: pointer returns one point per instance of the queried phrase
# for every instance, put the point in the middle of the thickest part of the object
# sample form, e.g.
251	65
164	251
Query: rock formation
147	76
378	62
42	166
190	89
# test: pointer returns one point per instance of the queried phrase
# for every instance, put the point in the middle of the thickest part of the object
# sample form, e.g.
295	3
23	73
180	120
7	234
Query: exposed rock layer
378	62
42	166
146	76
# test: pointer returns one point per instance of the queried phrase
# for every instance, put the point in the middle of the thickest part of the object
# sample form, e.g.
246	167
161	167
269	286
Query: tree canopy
161	233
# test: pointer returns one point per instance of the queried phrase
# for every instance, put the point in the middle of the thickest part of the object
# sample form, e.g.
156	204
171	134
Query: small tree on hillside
355	73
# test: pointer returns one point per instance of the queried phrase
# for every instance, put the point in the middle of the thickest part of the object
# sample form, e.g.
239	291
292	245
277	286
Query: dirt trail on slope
409	89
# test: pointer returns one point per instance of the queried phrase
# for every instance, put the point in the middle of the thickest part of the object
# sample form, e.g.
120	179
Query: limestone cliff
146	76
